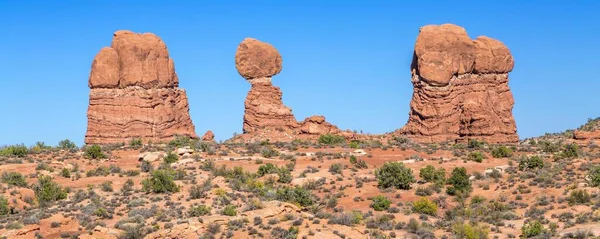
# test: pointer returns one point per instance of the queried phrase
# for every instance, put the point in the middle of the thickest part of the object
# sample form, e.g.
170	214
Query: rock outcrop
134	93
208	136
265	115
461	88
588	133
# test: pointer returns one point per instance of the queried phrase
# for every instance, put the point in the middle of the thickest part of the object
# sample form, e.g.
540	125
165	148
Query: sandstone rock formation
265	115
588	133
208	136
460	88
134	93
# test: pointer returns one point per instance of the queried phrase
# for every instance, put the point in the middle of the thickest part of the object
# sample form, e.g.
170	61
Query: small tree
425	206
380	203
94	152
67	145
394	174
502	152
459	179
135	143
331	139
161	181
531	163
48	191
430	174
268	168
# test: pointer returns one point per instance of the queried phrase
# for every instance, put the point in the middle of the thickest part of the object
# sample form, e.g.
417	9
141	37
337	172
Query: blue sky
347	60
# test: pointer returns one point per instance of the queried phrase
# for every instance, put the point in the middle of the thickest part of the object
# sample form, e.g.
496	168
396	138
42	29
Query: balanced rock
265	115
461	88
134	93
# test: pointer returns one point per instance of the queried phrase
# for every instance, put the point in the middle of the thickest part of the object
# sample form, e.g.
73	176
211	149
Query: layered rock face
265	115
460	88
134	93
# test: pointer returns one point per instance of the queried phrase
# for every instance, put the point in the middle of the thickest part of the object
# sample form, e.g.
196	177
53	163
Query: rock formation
134	93
208	136
588	133
265	115
460	88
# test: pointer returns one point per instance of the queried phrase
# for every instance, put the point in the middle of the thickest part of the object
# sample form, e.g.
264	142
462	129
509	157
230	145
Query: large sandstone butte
134	93
265	115
460	88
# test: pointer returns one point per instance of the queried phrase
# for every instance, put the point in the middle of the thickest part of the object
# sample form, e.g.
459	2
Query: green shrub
201	210
269	152
468	231
18	150
284	175
394	174
48	191
579	197
14	179
180	141
570	151
331	139
229	210
335	168
532	229
594	176
353	159
475	144
65	173
380	203
4	208
425	206
66	145
170	158
297	195
532	162
94	152
476	156
160	181
354	145
459	179
432	175
135	143
268	168
502	152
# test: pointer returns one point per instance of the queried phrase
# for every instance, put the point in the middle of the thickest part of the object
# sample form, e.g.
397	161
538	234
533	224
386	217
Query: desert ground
382	187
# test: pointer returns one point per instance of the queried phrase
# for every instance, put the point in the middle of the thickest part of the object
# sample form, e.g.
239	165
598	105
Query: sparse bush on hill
160	181
170	158
4	208
180	141
570	151
94	152
579	196
201	210
67	144
469	231
432	175
425	206
502	152
135	143
14	179
532	162
267	168
296	195
475	144
48	191
476	156
394	174
335	168
380	203
331	139
18	150
269	152
230	210
146	166
459	181
532	229
594	176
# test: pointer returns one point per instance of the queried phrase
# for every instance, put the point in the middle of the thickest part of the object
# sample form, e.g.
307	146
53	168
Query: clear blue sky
347	60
